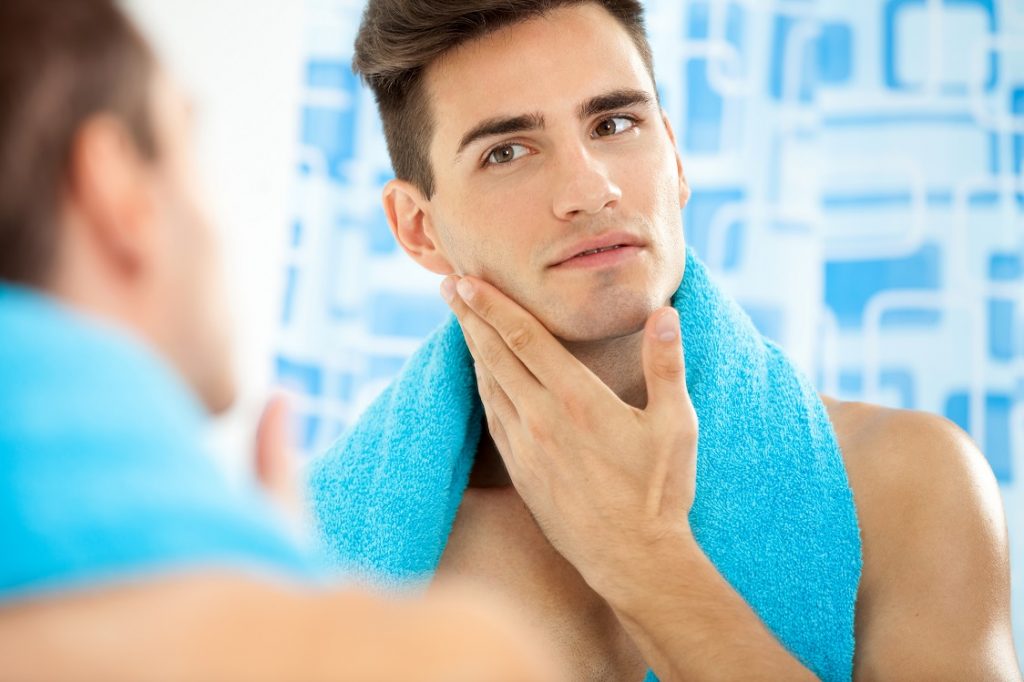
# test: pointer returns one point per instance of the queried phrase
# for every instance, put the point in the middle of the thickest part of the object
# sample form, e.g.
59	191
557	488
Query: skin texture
561	502
136	249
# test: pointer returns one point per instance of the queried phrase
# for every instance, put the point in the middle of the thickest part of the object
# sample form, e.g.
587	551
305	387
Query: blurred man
125	556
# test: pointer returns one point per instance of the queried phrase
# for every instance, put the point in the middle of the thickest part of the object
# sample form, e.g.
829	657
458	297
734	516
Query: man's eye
614	126
506	154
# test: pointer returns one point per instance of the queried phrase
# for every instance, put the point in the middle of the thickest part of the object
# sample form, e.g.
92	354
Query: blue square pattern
849	285
892	32
332	129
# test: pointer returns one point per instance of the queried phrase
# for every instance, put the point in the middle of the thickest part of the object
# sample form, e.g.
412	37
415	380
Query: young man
125	556
537	172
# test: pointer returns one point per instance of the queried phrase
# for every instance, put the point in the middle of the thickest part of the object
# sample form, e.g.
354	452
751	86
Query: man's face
186	283
549	143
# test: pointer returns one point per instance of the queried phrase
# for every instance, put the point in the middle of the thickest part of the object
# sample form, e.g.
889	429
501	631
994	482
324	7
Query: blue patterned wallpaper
858	186
858	177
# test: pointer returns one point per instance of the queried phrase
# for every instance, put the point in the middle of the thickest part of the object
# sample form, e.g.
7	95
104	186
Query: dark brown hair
398	39
61	62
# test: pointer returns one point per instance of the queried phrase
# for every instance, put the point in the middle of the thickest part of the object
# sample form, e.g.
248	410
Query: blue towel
773	509
103	475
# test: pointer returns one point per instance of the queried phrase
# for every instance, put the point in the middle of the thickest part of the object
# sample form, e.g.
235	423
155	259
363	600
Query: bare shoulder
934	595
915	456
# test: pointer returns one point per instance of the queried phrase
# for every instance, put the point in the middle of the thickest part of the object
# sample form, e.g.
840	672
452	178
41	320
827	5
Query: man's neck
618	364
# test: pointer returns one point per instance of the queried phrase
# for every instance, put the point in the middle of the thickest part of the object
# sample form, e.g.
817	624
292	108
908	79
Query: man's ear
410	222
684	187
107	188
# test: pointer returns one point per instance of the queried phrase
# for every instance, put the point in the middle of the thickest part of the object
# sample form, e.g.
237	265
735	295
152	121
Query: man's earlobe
407	213
684	187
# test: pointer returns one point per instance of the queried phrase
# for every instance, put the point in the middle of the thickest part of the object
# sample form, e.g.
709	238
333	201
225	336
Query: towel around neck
773	507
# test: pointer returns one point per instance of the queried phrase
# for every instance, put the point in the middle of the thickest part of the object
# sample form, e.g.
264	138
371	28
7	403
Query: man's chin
600	326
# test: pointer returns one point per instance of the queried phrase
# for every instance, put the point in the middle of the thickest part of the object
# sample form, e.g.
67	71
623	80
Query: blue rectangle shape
332	131
835	53
1001	316
305	377
890	15
849	285
331	74
1005	267
704	110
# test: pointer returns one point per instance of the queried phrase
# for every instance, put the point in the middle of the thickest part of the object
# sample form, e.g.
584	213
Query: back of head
399	39
61	62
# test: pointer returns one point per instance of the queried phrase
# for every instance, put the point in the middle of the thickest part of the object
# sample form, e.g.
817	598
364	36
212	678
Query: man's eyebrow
501	126
609	101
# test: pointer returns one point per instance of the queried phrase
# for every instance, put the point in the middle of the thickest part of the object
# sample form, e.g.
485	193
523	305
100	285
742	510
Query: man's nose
584	186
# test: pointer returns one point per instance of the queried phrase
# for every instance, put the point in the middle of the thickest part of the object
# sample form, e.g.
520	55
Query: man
125	556
536	172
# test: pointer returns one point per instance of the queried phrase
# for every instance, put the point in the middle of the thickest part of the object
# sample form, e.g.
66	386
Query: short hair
399	39
61	63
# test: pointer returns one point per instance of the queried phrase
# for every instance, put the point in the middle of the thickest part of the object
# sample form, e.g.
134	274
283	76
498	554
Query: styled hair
399	39
61	63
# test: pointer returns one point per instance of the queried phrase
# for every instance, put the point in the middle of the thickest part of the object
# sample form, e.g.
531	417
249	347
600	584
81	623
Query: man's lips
597	245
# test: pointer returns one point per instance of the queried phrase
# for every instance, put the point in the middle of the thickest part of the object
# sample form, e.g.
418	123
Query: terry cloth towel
103	475
773	509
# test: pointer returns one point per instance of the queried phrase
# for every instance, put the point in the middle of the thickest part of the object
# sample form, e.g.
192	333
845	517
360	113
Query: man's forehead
549	65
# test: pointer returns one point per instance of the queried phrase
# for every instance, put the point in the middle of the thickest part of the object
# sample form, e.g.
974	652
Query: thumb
664	364
274	463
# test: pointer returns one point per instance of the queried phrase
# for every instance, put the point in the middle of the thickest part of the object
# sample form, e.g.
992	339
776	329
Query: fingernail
466	290
448	289
667	326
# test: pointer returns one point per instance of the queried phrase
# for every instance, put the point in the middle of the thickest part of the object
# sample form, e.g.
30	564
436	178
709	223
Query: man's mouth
607	249
591	252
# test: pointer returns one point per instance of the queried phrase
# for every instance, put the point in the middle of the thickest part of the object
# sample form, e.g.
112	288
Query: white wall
241	61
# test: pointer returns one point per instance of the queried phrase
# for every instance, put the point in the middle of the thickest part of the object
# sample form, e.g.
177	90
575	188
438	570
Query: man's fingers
496	404
494	397
274	461
273	465
490	351
539	351
664	364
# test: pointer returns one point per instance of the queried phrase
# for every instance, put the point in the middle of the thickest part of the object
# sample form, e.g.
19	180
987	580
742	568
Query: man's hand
611	486
274	465
602	478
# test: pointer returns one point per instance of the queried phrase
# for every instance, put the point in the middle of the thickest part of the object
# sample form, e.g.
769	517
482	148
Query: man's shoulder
932	526
906	453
